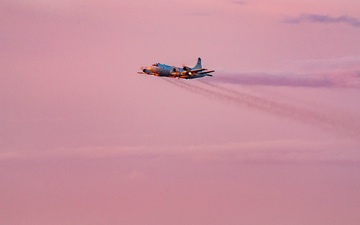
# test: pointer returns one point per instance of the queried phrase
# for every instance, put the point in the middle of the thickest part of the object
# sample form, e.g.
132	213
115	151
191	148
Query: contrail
266	105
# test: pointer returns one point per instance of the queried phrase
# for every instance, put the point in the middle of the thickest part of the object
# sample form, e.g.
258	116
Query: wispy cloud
267	151
344	65
318	18
198	14
239	2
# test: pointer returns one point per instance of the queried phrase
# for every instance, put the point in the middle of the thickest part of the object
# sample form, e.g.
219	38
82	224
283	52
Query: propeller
144	69
185	67
175	72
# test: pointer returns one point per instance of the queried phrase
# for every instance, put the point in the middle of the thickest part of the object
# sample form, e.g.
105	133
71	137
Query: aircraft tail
198	64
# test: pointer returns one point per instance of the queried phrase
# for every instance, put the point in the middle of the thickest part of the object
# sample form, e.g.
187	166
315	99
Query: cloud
317	18
266	151
344	65
198	14
239	2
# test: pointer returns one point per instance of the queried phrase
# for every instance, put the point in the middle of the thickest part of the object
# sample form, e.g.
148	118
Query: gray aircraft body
163	70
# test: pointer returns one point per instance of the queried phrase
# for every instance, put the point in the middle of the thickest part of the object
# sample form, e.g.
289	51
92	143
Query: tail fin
198	64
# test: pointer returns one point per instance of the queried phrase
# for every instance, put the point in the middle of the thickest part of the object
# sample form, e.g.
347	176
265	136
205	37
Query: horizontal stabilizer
206	72
197	70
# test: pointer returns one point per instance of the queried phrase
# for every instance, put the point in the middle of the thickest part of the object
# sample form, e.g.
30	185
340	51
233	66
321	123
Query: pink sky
272	138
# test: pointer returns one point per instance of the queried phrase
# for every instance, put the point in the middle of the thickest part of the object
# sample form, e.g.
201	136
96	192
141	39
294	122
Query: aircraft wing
193	72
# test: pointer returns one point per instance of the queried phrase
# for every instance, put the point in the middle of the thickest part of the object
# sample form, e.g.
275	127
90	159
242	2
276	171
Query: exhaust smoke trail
265	105
301	114
349	79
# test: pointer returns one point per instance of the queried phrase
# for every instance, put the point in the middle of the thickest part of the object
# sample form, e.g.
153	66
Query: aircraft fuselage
163	70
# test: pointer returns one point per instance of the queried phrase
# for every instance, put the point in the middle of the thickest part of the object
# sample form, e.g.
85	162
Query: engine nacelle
147	71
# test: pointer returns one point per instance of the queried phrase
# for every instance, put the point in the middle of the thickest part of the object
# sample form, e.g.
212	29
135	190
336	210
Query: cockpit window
156	64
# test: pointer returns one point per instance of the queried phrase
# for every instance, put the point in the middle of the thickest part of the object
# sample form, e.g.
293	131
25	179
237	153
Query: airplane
163	70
